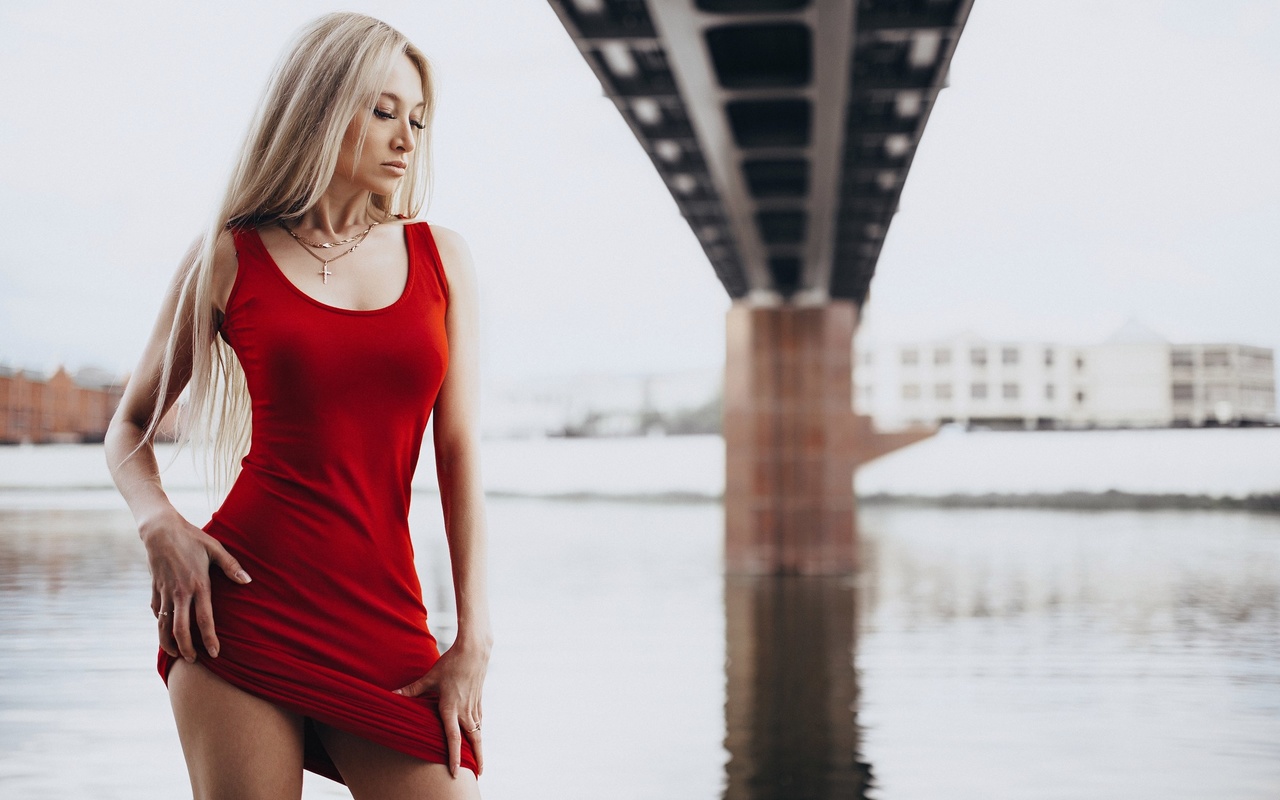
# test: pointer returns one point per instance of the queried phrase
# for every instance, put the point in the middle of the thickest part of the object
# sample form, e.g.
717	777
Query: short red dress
333	620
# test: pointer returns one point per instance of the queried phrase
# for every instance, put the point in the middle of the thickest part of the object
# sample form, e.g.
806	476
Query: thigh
236	745
374	772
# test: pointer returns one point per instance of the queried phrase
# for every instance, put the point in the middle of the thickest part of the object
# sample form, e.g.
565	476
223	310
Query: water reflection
1047	654
791	710
51	551
1203	574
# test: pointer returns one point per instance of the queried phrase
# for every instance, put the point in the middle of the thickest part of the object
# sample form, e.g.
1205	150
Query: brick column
790	440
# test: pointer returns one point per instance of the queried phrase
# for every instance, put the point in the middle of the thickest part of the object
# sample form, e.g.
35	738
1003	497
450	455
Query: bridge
785	130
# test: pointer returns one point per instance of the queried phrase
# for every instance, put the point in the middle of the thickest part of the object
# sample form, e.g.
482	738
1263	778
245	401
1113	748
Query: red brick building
60	408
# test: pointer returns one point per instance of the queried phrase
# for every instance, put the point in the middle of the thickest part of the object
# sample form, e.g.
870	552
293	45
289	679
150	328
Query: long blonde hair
335	68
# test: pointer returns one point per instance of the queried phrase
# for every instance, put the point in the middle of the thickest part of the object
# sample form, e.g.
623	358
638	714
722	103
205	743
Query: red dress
333	620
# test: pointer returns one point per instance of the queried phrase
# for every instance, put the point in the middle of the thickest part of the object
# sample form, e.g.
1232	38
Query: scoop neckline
408	281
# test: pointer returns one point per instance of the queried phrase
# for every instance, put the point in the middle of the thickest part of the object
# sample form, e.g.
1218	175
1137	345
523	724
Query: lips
396	164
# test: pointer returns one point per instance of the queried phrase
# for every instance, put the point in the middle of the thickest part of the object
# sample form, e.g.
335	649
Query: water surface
979	654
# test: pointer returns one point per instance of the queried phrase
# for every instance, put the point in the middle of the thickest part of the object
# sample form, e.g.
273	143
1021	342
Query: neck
339	213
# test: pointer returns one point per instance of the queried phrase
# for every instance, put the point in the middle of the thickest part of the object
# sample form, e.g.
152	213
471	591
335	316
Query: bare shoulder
225	265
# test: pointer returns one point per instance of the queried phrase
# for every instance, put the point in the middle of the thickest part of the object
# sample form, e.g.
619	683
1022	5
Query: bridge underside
784	130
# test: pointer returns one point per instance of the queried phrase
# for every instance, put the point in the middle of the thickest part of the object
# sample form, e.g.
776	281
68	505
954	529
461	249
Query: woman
291	626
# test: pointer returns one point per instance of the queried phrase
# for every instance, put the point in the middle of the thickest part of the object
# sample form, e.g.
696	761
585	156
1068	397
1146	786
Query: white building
1135	378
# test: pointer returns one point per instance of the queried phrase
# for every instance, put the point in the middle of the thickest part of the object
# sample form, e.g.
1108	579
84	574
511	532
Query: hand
178	555
457	677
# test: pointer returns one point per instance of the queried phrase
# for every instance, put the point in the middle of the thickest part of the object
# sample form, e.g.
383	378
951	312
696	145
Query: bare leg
374	772
236	745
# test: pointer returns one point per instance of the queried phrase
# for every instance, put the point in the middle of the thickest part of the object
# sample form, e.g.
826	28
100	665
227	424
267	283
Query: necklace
327	245
325	262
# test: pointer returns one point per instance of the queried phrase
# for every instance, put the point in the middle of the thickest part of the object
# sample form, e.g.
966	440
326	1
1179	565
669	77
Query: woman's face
390	136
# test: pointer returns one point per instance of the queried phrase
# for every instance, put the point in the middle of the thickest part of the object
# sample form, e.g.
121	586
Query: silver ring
163	613
473	730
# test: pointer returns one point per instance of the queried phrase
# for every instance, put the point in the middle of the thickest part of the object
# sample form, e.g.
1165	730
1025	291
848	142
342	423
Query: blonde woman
319	327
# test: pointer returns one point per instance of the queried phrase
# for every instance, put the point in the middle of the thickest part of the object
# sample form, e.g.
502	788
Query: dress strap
246	242
428	255
241	235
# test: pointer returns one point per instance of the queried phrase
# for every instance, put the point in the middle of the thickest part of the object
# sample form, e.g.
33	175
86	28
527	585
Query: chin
381	187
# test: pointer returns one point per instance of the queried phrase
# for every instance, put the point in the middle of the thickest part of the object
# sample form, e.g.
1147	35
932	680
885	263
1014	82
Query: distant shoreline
1111	500
1100	501
1212	469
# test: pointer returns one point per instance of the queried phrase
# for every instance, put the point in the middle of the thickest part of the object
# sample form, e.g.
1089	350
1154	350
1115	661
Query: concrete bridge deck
785	130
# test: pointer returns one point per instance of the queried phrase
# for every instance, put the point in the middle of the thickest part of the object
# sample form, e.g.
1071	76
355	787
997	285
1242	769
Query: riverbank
1224	468
1227	468
1083	501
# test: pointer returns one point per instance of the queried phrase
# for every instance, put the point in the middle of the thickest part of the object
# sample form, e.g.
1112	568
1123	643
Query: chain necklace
325	262
327	245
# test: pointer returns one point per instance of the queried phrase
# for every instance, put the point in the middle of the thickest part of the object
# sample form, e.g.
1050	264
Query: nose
404	137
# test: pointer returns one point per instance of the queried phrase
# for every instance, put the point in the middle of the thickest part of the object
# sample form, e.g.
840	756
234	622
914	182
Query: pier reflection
791	709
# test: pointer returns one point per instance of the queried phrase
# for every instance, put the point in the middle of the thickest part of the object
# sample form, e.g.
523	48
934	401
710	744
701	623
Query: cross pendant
325	273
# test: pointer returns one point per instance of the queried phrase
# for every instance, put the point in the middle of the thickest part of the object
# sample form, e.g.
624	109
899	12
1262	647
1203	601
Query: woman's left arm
458	676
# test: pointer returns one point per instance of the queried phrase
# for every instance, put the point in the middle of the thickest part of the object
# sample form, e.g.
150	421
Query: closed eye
380	114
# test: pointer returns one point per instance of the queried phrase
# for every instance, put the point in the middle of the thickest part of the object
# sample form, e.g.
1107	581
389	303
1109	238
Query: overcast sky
1091	161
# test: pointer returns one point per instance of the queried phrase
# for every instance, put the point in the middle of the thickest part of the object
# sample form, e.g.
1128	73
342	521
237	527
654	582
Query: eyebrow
395	97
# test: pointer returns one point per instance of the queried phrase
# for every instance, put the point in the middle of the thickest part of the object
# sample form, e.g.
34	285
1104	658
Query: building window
1184	392
942	391
1008	356
1259	359
1048	357
867	359
1181	358
978	356
941	357
910	357
1009	391
910	391
1217	358
1258	396
978	391
1216	392
1079	397
1079	362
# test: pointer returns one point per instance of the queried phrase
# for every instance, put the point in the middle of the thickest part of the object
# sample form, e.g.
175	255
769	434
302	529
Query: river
979	653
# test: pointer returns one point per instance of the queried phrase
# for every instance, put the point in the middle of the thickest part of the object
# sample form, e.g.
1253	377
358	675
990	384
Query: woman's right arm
178	553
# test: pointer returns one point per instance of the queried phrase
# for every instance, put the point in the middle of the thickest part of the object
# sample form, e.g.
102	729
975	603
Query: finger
182	627
453	738
165	619
219	555
474	737
417	688
204	620
156	602
414	689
